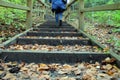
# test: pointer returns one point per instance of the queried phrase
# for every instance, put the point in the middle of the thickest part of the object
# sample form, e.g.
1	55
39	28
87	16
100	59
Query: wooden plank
29	14
51	52
115	6
115	55
67	14
43	15
53	57
81	16
69	11
37	10
14	38
11	5
72	2
40	1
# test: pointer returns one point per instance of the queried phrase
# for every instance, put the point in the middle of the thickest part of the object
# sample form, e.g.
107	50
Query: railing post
43	16
81	15
29	14
44	8
69	10
39	11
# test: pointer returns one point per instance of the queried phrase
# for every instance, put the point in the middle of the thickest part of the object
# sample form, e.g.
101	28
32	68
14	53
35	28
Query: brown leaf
109	66
43	67
110	72
42	77
66	66
24	69
106	49
77	72
88	77
22	64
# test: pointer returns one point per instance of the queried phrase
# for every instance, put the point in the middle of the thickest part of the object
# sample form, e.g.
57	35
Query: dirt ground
103	34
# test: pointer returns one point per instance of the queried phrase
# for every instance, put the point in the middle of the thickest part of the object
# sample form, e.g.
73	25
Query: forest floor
104	35
9	31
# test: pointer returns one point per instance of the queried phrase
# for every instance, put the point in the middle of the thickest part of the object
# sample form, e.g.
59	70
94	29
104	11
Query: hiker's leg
57	18
60	18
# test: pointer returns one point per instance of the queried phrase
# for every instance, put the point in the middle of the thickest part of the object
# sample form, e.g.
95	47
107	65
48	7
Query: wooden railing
28	9
44	8
82	10
68	9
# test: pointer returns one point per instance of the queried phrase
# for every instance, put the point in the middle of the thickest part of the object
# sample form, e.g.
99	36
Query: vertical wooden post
38	7
43	12
39	12
69	10
44	8
81	15
29	14
65	13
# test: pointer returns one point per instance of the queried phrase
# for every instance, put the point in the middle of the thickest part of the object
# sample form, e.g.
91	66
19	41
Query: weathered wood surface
81	15
29	14
109	7
72	2
37	10
44	4
11	5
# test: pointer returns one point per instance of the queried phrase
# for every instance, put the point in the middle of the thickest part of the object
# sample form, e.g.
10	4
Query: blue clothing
56	4
58	17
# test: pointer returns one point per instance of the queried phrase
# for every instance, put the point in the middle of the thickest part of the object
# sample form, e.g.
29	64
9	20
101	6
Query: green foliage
116	30
21	2
6	16
12	16
104	17
116	42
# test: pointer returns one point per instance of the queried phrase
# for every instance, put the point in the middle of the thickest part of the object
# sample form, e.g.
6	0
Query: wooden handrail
11	5
43	3
20	7
67	8
72	2
67	15
29	14
115	6
107	7
37	10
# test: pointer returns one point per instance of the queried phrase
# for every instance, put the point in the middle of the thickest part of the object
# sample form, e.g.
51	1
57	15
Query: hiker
58	7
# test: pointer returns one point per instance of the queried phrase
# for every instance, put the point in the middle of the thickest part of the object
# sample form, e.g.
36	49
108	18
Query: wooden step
54	30
53	41
70	34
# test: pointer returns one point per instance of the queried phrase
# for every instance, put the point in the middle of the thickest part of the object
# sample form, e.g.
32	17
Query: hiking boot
60	22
